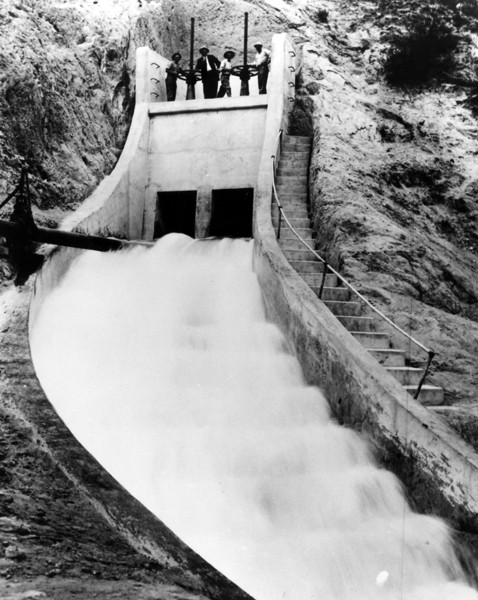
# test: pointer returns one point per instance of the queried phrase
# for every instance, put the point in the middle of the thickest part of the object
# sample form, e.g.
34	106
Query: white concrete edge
374	395
191	106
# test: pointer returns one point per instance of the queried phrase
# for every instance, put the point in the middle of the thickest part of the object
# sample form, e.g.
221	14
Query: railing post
280	221
322	283
431	354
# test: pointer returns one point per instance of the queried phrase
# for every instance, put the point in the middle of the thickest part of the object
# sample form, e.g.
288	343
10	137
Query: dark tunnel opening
175	213
231	213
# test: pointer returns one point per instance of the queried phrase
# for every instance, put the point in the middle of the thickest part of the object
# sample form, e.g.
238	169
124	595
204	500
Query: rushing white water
162	364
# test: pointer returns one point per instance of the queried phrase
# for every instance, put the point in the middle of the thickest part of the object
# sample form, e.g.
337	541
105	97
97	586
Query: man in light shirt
225	69
261	61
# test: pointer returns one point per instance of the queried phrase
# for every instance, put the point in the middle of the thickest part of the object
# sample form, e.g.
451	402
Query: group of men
212	71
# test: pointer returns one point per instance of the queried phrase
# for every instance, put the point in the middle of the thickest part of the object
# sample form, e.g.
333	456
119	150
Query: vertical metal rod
191	77
245	73
322	283
191	48
280	221
431	354
246	21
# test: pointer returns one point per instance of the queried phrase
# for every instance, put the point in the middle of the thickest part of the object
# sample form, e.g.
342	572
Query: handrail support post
322	283
431	355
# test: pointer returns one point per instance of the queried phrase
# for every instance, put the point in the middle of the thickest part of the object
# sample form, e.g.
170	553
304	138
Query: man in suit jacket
209	67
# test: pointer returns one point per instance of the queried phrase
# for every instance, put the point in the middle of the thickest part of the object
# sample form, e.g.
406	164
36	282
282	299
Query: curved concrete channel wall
440	469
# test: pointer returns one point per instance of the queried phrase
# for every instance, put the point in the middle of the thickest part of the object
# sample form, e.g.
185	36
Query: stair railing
327	267
275	159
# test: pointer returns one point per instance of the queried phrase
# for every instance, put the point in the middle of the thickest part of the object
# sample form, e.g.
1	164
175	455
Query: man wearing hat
225	69
261	61
208	65
172	76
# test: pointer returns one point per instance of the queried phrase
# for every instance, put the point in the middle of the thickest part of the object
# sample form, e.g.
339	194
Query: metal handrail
274	158
326	267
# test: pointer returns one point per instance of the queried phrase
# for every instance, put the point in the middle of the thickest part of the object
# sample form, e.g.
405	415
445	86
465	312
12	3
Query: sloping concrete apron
228	143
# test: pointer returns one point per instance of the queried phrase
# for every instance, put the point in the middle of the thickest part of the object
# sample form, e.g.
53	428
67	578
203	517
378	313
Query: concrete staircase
291	185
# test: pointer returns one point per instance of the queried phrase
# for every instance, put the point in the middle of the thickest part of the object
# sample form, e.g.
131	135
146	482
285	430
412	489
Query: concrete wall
183	145
439	469
203	145
116	207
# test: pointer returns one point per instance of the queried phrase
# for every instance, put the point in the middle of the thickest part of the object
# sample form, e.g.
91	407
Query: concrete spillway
205	150
163	365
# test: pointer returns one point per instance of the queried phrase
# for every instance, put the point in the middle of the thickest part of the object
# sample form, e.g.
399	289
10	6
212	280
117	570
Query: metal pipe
191	76
62	238
245	72
246	24
191	48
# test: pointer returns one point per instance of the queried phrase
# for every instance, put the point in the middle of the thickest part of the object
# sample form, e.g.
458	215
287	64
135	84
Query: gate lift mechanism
244	71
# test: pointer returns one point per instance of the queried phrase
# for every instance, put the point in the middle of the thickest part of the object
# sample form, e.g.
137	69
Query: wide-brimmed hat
230	53
176	54
204	48
258	43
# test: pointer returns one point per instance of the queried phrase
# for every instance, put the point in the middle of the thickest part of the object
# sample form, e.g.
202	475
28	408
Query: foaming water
163	365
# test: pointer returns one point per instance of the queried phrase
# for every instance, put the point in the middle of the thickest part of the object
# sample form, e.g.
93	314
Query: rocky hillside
394	199
394	188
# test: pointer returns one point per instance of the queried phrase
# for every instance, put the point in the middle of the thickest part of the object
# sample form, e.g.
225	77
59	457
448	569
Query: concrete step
297	139
294	211
291	245
389	357
291	196
288	239
291	191
335	294
349	307
293	158
354	323
296	143
406	375
295	147
298	153
311	265
314	280
292	170
298	163
291	188
295	255
297	180
429	394
304	232
372	339
291	204
301	223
